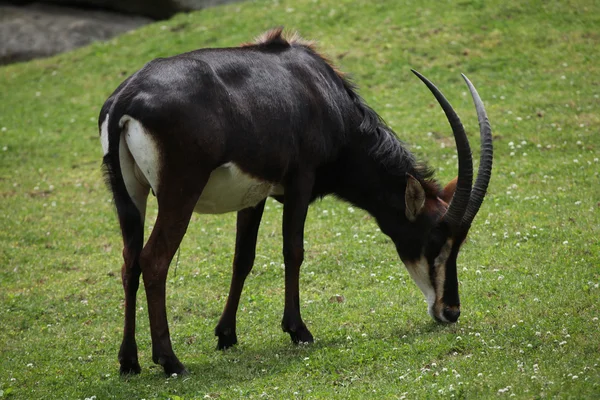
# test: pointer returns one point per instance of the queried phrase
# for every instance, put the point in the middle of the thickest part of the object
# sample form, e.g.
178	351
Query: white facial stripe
231	189
144	151
419	272
439	264
104	135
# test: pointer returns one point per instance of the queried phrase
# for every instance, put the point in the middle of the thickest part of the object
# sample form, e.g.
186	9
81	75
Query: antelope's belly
231	189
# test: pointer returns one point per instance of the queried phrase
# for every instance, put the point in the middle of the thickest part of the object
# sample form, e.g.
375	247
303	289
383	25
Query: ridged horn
484	172
460	200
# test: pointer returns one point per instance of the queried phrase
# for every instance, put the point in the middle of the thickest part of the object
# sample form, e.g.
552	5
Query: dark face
434	272
431	256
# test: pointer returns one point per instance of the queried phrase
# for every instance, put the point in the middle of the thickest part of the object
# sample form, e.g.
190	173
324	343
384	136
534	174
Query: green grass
529	272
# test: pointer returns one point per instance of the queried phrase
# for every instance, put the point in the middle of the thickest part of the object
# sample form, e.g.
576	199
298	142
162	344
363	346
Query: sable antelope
220	130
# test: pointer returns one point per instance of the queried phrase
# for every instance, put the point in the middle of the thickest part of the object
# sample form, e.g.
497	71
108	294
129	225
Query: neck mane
372	169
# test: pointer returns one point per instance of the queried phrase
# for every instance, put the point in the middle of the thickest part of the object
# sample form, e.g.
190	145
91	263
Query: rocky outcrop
41	30
155	9
32	30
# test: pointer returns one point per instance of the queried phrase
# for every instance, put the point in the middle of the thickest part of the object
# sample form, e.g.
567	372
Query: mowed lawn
529	272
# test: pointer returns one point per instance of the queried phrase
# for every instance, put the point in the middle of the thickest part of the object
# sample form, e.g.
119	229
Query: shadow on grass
254	365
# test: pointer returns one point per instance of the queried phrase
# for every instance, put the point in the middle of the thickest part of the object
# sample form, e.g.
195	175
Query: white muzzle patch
420	272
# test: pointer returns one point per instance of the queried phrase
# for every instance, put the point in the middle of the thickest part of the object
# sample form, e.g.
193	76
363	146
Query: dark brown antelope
220	130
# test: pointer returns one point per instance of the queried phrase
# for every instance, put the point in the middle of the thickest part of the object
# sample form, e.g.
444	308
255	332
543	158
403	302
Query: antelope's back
263	107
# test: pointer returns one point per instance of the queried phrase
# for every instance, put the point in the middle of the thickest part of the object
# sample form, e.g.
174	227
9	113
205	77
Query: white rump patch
144	151
231	189
228	188
104	135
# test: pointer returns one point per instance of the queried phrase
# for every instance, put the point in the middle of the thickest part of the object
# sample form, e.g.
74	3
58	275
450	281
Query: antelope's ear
414	198
449	190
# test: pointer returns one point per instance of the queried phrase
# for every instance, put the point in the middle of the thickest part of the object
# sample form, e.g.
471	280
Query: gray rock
157	9
41	30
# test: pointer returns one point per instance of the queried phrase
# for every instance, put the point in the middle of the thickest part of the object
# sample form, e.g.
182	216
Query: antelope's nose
452	313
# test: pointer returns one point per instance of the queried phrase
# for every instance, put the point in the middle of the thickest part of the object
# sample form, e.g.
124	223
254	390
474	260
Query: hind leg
175	207
131	217
130	274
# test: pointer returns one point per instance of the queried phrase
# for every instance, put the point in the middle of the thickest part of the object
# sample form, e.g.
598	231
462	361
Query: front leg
298	193
248	221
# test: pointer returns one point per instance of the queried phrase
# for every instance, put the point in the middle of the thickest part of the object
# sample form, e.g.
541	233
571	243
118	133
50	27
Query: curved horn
484	172
461	197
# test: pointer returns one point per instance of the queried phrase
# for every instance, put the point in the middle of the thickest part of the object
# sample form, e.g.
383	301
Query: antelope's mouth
445	314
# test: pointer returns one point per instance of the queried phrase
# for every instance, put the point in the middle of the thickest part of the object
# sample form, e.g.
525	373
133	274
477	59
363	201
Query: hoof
182	372
301	335
226	335
226	341
130	368
171	365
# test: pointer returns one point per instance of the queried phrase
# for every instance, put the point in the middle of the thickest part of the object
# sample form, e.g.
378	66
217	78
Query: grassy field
530	272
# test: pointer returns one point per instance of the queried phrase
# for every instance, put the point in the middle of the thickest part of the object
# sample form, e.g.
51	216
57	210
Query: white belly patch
230	189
